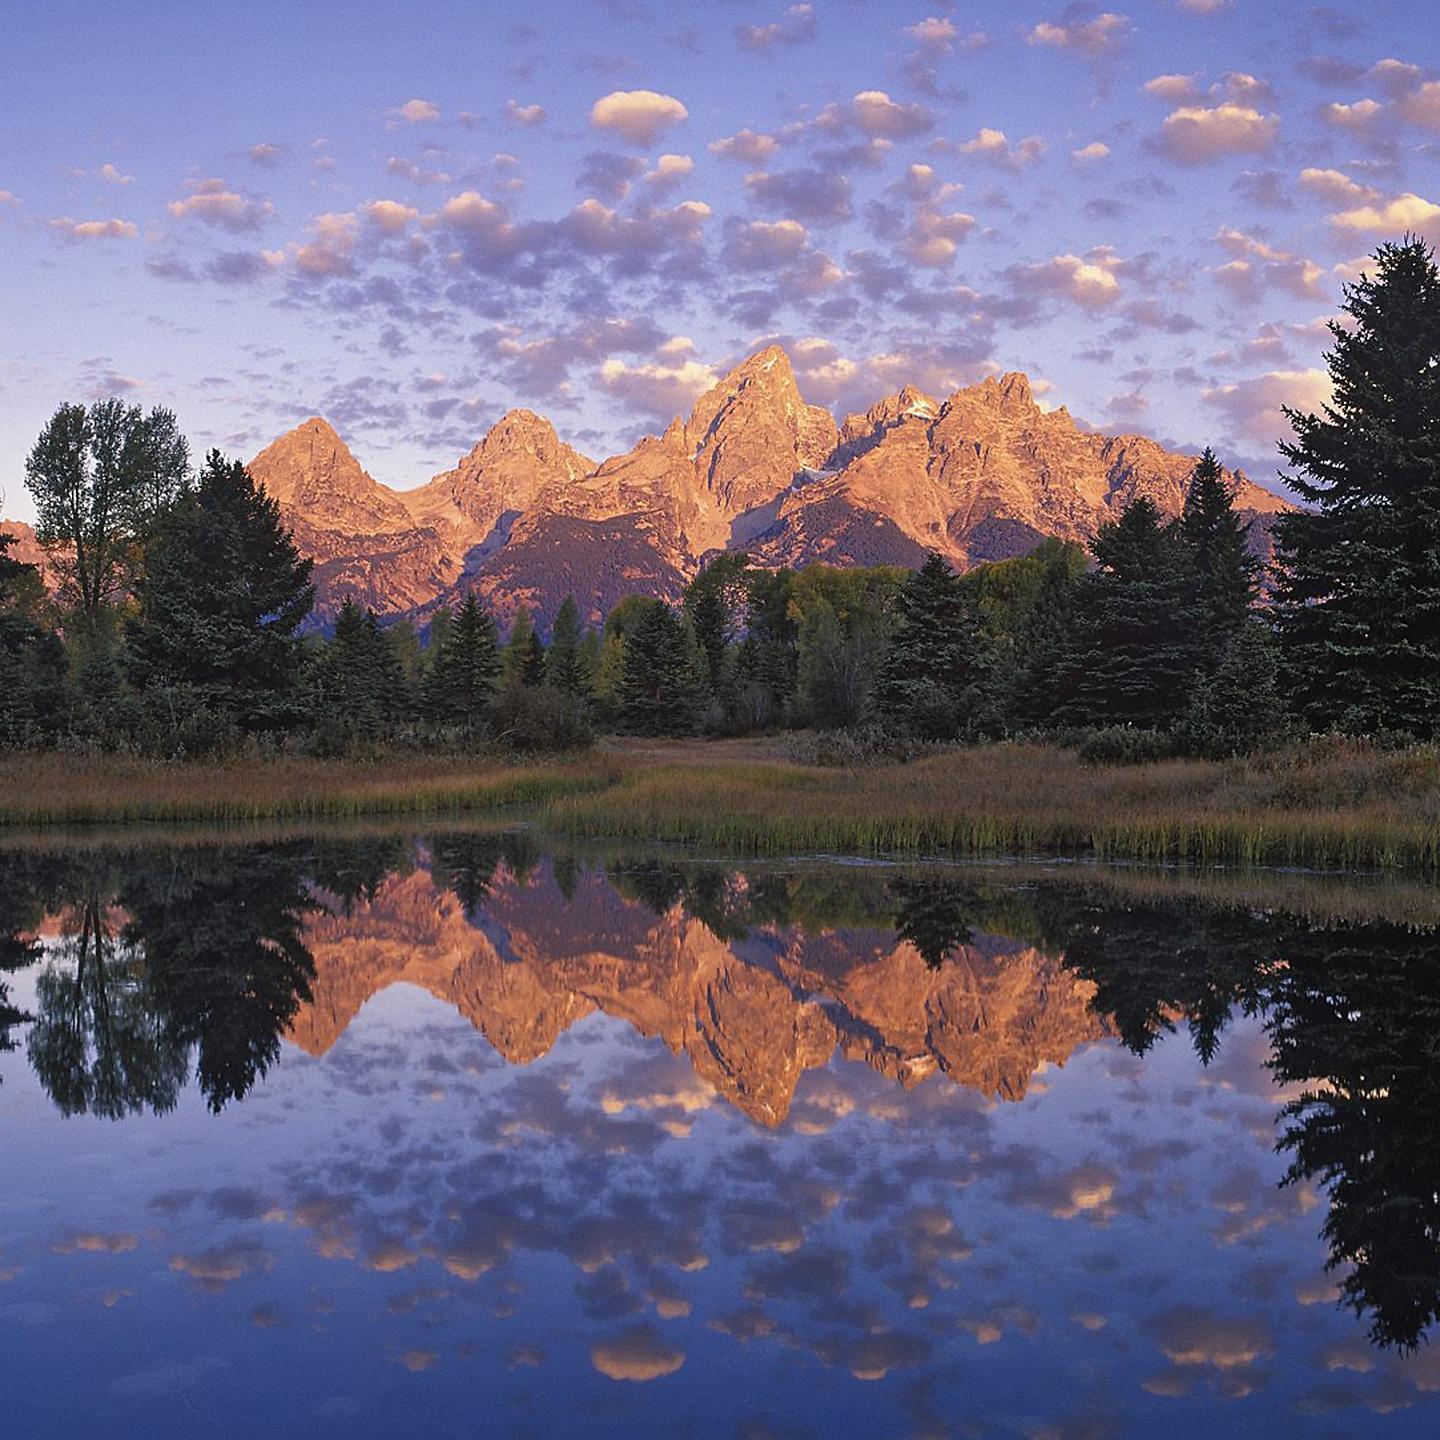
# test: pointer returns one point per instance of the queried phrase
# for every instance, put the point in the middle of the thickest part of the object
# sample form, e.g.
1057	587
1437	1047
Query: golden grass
1327	805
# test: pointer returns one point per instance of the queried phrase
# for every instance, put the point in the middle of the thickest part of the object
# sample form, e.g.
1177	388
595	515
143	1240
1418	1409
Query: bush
857	748
533	720
1125	745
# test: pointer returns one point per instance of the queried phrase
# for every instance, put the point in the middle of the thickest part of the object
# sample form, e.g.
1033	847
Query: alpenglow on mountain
526	519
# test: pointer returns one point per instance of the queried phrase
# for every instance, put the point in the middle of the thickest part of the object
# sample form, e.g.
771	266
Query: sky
411	218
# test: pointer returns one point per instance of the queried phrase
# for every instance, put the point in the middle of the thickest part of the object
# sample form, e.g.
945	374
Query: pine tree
932	679
1225	572
32	659
523	662
1239	709
359	685
222	595
564	665
714	606
1132	653
662	678
464	668
1358	593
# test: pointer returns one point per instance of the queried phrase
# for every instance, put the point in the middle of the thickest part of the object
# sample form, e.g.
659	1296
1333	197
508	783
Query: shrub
538	720
1125	745
857	748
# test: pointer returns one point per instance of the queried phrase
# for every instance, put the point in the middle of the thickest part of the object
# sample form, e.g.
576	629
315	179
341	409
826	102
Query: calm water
447	1137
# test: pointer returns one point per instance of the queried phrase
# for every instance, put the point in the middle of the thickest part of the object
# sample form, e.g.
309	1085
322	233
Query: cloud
1357	117
795	27
1196	135
96	1243
1088	37
747	146
992	145
669	172
1422	107
1335	186
1203	7
636	1354
639	116
1258	266
390	217
1193	1337
217	1267
243	267
111	176
1407	213
607	175
265	154
331	247
1253	406
415	112
938	35
874	1356
213	203
407	169
1176	89
933	237
1089	282
528	115
764	244
1089	154
874	113
667	386
94	229
806	194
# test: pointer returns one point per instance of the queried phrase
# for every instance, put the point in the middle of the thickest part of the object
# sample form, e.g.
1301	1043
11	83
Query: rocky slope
752	1016
524	518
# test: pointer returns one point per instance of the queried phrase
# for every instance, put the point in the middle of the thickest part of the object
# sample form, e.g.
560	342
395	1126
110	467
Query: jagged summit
524	518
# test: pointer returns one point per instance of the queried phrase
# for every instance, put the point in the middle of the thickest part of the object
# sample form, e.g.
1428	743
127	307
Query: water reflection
857	1216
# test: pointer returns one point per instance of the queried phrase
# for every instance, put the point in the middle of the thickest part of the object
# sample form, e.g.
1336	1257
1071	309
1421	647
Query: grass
1334	805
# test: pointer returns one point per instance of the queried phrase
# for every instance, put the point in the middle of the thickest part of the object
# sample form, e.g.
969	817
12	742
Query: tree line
177	626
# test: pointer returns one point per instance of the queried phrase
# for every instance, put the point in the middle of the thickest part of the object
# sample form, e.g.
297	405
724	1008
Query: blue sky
409	218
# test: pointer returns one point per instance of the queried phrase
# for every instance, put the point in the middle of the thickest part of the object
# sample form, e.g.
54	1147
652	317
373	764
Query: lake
450	1136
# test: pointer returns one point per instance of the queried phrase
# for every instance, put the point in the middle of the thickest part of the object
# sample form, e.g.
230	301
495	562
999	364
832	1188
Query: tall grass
1329	804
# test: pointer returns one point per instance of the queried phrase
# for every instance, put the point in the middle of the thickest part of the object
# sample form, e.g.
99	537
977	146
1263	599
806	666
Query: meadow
1327	804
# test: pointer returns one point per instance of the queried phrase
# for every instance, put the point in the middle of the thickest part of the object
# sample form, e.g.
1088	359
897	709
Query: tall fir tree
464	668
715	608
933	679
32	659
1226	574
1358	589
220	601
1131	653
662	680
565	667
359	682
523	661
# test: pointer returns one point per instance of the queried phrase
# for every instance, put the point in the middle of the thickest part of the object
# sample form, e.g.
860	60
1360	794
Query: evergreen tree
1239	709
1358	593
222	595
464	668
764	677
32	659
714	606
359	685
1041	644
102	479
1131	653
662	676
1225	572
564	664
524	660
932	681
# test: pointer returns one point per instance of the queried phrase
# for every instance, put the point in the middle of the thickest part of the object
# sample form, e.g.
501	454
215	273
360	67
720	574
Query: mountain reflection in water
684	1101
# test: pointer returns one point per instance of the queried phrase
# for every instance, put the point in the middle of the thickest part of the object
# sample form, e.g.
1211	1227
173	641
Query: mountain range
526	519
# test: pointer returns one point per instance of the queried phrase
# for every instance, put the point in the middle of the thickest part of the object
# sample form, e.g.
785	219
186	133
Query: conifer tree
1225	572
1358	593
523	662
222	595
32	659
1239	709
714	607
359	685
932	680
564	664
1131	653
662	678
465	667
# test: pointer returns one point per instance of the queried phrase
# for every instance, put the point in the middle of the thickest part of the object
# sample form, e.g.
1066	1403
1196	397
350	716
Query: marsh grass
1331	805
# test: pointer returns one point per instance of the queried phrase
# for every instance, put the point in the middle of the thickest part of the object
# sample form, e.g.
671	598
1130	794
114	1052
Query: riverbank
1328	804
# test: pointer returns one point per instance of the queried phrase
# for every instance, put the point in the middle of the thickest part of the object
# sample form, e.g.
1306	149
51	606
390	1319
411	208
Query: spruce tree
1225	572
32	659
359	684
523	662
1131	654
714	606
933	677
662	677
564	664
222	596
1239	709
464	668
1358	593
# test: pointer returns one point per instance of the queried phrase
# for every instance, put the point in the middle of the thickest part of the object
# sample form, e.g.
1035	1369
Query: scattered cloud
1089	281
1253	406
874	113
794	27
213	203
415	112
637	1354
1257	266
94	229
1197	134
669	172
1405	214
668	385
1422	106
807	194
1085	36
527	115
993	145
1335	186
748	146
266	154
1358	117
639	116
1089	154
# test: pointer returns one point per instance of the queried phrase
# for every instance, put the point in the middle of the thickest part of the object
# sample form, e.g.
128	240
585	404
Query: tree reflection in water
168	962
